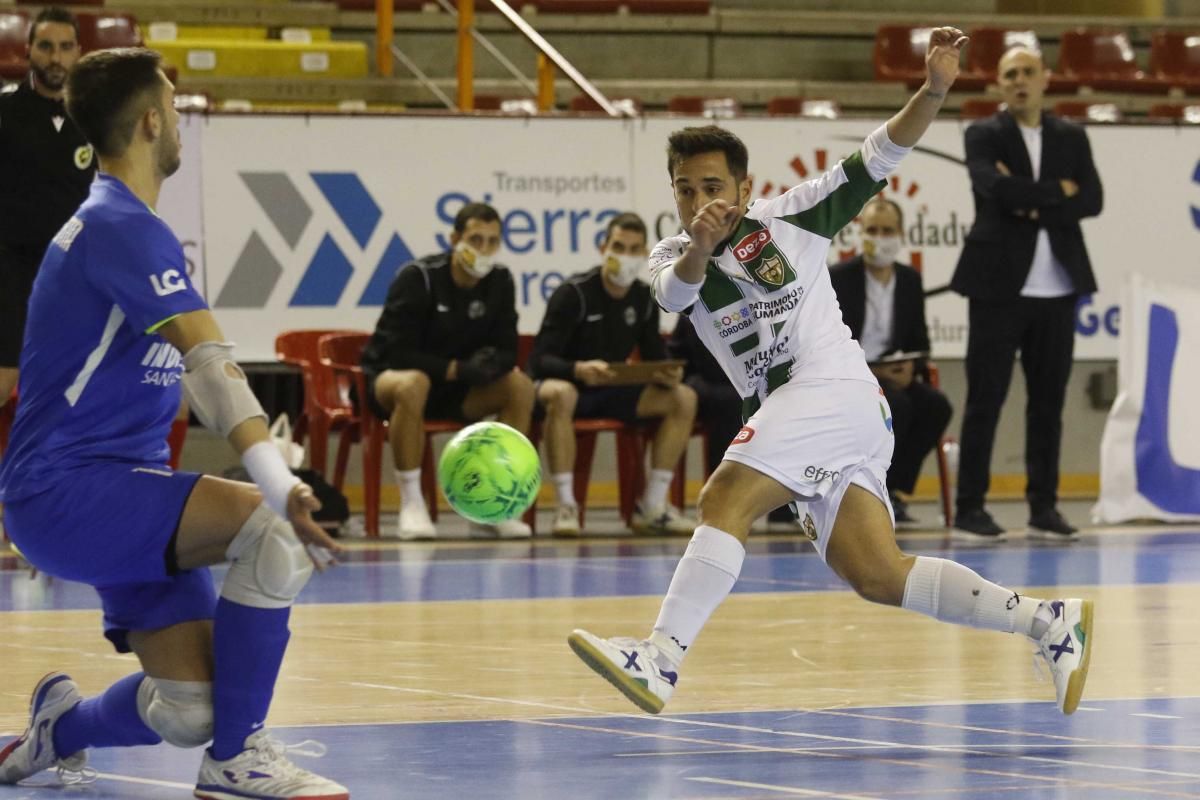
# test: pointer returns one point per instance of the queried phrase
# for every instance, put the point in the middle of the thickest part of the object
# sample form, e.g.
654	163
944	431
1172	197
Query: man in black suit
1023	267
883	304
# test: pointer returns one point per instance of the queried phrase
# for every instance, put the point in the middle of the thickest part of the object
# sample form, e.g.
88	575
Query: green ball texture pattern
489	472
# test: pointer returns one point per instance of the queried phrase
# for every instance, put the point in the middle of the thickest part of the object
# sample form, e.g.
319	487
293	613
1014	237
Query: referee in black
47	167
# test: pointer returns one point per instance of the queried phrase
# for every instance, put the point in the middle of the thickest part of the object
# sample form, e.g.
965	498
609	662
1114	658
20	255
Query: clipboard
639	372
892	358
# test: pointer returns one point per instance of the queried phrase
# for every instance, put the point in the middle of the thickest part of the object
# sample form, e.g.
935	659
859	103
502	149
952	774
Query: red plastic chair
100	31
582	104
398	5
1083	111
713	107
803	107
978	108
14	36
668	6
1170	112
575	6
1175	59
324	410
899	53
987	45
1103	58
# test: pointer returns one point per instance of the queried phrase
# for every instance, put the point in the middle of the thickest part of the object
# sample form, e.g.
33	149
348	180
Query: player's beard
168	155
51	77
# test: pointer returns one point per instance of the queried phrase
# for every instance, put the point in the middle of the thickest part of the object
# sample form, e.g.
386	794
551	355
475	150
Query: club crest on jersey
810	527
771	270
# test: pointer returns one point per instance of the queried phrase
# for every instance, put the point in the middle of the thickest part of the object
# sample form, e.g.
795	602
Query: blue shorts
110	526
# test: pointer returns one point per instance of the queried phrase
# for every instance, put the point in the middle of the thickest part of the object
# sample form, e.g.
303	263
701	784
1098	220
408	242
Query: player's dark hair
892	204
689	142
53	14
108	91
480	211
628	221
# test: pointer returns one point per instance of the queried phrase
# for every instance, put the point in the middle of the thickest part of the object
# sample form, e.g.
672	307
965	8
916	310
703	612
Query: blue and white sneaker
635	666
1066	646
54	695
263	772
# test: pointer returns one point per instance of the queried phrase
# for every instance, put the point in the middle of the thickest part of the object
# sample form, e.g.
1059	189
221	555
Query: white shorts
816	438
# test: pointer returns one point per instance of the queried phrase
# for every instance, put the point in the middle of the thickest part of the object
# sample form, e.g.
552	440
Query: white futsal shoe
1066	647
54	695
415	524
566	521
635	666
263	772
666	520
508	529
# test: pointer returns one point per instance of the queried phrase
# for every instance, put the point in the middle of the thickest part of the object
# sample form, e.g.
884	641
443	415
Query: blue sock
248	647
107	720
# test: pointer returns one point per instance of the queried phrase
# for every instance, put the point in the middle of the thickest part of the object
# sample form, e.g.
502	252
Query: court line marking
108	776
770	787
1156	716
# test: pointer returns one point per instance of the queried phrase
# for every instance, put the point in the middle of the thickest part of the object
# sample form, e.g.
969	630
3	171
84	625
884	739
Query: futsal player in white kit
818	429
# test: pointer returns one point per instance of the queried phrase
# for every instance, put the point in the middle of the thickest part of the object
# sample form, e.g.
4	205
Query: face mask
881	251
474	262
622	269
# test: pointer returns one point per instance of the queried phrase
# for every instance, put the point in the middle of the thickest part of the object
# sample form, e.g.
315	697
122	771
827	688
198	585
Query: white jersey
766	309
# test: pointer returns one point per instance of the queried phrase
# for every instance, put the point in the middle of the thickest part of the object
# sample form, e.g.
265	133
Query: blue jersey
97	383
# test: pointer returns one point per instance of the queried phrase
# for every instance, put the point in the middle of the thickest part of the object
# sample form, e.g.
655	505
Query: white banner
306	220
179	202
1150	454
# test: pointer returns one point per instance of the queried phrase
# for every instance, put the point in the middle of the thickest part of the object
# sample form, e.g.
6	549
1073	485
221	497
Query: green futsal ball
489	472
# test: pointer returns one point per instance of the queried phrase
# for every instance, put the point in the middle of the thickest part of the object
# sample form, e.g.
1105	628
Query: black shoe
904	520
1049	525
782	520
976	526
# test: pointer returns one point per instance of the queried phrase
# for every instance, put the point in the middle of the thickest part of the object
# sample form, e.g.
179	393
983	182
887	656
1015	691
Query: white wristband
270	473
881	155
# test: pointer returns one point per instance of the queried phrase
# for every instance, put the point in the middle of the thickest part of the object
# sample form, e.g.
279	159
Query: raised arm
941	69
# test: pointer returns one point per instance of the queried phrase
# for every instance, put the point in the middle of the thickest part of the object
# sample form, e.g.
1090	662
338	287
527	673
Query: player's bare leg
675	408
402	393
559	398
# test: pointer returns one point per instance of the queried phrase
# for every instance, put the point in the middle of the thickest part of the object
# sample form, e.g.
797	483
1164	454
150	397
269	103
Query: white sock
950	592
564	487
656	489
708	570
409	481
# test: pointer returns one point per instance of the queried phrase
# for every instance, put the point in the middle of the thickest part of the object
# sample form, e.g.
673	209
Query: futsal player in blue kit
115	331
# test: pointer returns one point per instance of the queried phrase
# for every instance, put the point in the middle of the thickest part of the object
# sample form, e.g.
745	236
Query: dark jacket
46	168
584	322
909	332
998	252
428	320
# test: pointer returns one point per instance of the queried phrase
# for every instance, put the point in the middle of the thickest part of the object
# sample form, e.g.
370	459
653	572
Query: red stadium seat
1175	59
987	45
800	107
399	5
1103	58
581	103
668	6
72	3
1170	112
14	38
979	107
1083	111
900	53
715	107
575	6
100	31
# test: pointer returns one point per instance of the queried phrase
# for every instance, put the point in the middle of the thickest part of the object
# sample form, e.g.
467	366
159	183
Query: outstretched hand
321	548
941	60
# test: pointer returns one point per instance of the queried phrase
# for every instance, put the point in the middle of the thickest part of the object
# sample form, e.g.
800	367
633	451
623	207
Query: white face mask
623	269
474	262
881	251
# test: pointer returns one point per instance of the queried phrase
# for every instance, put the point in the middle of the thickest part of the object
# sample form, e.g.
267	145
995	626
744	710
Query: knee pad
178	711
270	564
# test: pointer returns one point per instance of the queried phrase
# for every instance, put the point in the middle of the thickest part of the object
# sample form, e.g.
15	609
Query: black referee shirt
584	322
429	320
46	168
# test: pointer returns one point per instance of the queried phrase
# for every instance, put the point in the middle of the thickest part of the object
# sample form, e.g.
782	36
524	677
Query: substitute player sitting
86	489
818	433
593	318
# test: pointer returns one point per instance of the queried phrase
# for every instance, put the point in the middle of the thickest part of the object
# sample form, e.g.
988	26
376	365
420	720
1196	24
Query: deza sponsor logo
751	245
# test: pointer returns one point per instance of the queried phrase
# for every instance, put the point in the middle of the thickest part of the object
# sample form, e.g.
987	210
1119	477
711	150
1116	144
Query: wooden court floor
440	670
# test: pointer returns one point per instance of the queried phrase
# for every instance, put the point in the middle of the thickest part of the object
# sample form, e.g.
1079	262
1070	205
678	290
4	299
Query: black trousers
920	415
1043	331
720	411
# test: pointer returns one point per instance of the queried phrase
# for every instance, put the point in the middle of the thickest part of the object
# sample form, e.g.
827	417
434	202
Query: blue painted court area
1111	750
498	571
